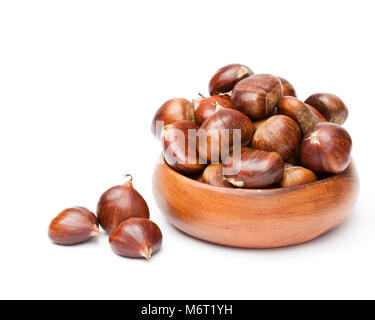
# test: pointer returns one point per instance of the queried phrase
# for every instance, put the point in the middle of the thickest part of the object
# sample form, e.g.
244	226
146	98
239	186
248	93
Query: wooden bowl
248	218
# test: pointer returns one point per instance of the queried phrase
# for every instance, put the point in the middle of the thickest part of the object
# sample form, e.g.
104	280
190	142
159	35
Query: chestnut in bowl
226	77
253	168
296	175
213	175
257	95
288	89
248	218
305	115
217	133
316	113
326	148
171	111
330	106
179	144
280	134
206	107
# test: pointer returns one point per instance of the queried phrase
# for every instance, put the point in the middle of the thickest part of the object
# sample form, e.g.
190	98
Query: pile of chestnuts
122	212
253	132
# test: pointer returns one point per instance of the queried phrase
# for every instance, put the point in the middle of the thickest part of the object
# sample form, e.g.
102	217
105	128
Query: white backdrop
79	84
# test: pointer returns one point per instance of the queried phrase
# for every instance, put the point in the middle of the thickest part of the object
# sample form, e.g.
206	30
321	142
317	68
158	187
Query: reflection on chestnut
73	225
213	175
257	96
136	238
253	168
171	111
218	133
226	77
179	142
330	106
295	176
280	134
207	106
326	148
288	89
120	203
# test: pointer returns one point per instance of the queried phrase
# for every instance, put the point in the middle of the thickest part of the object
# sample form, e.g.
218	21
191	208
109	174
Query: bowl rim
240	191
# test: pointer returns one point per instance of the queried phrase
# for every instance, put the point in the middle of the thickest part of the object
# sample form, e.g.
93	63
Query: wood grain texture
255	218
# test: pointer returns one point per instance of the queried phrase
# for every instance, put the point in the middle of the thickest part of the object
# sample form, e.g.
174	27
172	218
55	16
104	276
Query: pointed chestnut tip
218	106
196	102
146	252
95	231
129	176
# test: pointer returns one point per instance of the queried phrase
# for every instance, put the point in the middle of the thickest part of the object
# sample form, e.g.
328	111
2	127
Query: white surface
79	83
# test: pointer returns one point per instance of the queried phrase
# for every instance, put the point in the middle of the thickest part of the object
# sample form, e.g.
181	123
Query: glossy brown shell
120	203
226	77
257	95
288	89
73	225
136	238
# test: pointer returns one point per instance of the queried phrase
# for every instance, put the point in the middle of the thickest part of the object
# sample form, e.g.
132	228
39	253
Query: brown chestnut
171	111
222	131
316	112
253	168
280	134
298	111
330	106
73	225
258	123
136	238
213	175
326	148
226	77
257	95
120	203
179	144
290	106
207	106
288	89
295	176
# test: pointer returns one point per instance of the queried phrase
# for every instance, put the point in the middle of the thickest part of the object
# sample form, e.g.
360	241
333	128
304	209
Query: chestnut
326	148
280	134
316	112
296	175
226	77
222	131
253	168
120	203
299	111
290	106
136	238
179	145
257	95
207	106
171	111
213	175
330	106
288	89
258	123
73	226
